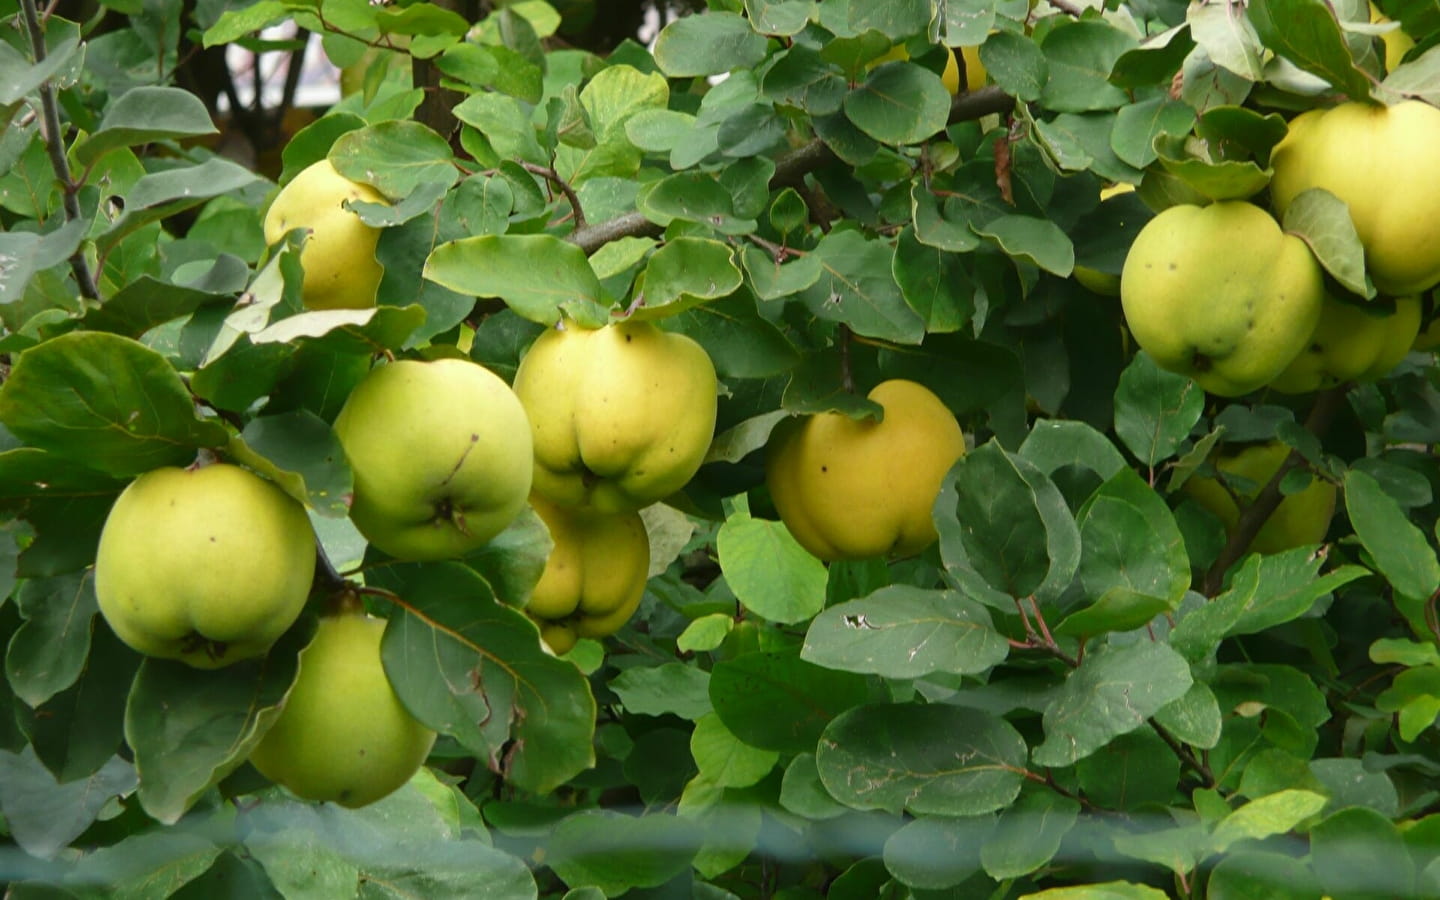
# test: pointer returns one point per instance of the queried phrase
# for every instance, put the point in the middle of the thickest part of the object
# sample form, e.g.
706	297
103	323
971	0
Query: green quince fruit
207	566
441	455
857	488
1301	519
622	415
1221	294
1381	161
1352	343
595	574
342	734
341	271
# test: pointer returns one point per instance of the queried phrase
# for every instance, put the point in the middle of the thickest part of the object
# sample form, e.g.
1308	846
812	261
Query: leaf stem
55	146
554	178
1184	754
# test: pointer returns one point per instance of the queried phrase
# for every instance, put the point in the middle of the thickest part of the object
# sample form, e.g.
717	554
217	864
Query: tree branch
790	169
55	146
1254	516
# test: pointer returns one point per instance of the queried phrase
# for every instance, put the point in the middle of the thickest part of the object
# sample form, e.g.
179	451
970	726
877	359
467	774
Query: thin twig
1187	758
554	178
55	146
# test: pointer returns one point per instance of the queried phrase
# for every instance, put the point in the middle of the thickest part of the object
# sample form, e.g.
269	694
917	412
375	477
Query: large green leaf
777	701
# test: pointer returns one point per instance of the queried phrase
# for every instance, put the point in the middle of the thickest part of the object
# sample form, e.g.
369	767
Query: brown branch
1253	518
55	147
554	178
1183	753
790	169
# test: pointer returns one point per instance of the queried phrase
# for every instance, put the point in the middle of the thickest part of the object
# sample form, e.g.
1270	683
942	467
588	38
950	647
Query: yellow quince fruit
857	488
1300	519
621	415
341	271
1381	161
594	577
1221	294
1352	343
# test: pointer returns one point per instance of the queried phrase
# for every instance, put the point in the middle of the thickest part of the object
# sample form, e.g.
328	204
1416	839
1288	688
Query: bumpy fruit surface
1381	161
1221	294
1352	343
343	735
1299	520
341	271
594	577
622	415
207	566
441	455
856	488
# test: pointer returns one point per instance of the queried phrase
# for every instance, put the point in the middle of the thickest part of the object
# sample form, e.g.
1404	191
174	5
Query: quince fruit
1221	294
207	566
1301	519
1381	161
341	271
441	456
342	734
857	488
1352	343
594	577
1396	42
622	415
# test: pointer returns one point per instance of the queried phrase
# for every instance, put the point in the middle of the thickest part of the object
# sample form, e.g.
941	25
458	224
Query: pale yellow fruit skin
1300	519
1221	294
1397	43
341	271
207	566
342	735
1351	344
441	455
596	572
1382	162
560	637
622	415
856	488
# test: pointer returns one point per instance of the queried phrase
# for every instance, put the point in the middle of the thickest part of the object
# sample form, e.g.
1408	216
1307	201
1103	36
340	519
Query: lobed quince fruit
341	271
594	577
1381	161
1221	294
342	734
207	566
441	456
622	415
857	488
1352	343
1301	519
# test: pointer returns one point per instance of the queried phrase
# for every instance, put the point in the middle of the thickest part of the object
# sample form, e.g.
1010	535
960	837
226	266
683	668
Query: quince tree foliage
1087	685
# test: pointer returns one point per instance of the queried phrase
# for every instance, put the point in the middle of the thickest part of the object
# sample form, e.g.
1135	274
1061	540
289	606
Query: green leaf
1229	40
902	631
899	103
1113	692
1137	126
43	815
1110	890
776	701
1028	239
190	727
672	688
1080	56
693	197
19	77
923	759
1053	444
724	759
470	667
802	792
936	853
770	573
234	24
1028	834
298	451
779	17
47	654
1191	161
1155	409
616	852
147	301
77	731
935	284
25	254
1257	875
1130	772
1131	541
158	195
1415	695
1015	529
685	272
1307	34
538	276
1193	719
1118	609
1014	62
142	115
705	633
1273	814
1399	549
395	157
856	287
1321	220
145	866
708	45
1358	853
105	401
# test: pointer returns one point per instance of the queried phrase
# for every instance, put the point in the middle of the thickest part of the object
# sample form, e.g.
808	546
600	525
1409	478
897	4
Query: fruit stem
1253	518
